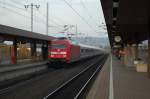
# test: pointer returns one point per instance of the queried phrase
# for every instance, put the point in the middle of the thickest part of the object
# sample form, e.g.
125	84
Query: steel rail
54	93
89	80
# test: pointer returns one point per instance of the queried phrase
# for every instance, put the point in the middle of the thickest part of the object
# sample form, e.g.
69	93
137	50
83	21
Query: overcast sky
13	13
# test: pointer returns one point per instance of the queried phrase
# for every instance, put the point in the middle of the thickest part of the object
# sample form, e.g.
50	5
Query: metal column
33	49
149	57
45	51
14	52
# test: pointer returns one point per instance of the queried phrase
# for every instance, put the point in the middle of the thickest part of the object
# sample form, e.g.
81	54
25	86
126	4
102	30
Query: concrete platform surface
116	81
100	88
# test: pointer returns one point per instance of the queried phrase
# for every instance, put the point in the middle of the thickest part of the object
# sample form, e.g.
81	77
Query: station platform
116	81
10	73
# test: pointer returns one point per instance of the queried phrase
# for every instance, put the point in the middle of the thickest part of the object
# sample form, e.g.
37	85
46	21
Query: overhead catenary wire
51	21
52	14
83	19
16	9
14	1
40	13
13	6
87	11
9	4
57	25
20	14
22	9
45	17
41	20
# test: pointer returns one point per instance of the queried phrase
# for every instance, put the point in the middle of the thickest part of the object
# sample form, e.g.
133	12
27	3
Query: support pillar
33	49
0	55
135	51
45	51
128	57
149	57
125	58
131	54
14	52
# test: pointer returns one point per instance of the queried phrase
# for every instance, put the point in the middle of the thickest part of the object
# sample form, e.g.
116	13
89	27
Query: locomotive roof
88	46
79	44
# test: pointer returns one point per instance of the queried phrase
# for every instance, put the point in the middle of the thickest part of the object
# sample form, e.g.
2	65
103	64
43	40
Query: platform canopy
128	21
8	32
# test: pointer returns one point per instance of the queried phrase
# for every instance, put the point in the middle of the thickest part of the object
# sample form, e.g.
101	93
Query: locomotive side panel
75	53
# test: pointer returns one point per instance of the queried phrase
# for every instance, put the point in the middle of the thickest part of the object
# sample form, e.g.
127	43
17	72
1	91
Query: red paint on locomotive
63	50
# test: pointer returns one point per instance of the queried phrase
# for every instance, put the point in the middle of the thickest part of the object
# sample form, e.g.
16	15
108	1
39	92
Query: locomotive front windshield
58	46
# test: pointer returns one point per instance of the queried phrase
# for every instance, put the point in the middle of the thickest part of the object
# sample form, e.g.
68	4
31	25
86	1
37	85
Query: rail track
75	87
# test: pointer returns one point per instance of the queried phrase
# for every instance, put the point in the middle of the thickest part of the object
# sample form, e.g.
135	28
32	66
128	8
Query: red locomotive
63	50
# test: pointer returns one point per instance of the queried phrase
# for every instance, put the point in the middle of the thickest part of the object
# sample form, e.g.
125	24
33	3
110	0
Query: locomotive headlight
58	53
54	53
62	52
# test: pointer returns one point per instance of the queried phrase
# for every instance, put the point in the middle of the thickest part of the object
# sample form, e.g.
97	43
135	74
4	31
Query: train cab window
59	46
